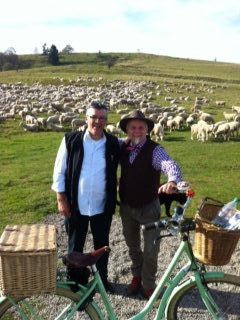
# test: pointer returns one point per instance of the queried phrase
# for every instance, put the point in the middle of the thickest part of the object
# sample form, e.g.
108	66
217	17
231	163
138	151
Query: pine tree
53	57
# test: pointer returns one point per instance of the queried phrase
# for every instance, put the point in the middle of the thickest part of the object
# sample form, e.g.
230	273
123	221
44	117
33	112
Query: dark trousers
77	228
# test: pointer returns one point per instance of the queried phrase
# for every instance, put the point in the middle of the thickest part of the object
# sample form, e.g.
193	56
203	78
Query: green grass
27	159
26	169
127	67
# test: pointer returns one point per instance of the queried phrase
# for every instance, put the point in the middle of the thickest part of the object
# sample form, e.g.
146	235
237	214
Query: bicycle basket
28	260
212	245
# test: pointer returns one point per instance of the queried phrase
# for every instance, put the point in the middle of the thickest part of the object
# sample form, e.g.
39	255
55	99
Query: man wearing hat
142	160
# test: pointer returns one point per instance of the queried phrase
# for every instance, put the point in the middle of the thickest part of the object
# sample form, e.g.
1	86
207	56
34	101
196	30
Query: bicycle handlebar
187	225
155	225
177	223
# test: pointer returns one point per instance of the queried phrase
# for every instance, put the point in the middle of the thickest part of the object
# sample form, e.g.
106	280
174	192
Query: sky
194	29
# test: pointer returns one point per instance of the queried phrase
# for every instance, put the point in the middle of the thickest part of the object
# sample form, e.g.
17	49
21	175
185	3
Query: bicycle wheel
187	304
47	306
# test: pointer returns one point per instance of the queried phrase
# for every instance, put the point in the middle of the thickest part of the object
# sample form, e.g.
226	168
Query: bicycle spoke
225	295
43	307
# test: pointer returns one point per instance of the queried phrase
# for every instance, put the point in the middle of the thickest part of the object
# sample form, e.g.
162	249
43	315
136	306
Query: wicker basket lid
26	238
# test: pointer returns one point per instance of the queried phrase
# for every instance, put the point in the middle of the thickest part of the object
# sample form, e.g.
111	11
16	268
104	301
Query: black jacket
74	144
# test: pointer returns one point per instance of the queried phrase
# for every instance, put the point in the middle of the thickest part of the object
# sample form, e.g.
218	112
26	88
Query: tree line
9	60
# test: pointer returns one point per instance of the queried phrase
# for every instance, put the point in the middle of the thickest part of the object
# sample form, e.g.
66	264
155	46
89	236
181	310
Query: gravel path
119	264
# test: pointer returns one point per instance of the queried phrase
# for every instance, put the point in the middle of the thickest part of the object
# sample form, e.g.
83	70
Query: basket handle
207	199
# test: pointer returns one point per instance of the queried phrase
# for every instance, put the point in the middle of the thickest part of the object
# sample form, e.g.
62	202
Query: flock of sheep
62	107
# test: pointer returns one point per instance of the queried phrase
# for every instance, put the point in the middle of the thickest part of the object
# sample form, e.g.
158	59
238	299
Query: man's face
136	131
96	120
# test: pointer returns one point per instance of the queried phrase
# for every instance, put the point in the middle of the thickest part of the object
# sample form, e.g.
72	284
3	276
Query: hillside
124	66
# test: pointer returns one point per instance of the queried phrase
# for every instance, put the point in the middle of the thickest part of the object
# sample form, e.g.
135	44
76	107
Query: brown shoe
146	293
134	286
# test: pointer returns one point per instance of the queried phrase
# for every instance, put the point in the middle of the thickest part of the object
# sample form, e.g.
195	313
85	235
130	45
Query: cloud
182	28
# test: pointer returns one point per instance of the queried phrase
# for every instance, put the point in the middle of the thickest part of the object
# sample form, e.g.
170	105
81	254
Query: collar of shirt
137	147
87	139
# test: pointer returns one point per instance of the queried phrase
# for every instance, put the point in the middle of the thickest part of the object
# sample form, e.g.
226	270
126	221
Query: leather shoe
146	293
134	286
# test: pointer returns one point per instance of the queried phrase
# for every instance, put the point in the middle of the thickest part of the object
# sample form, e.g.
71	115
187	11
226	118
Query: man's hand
169	187
63	205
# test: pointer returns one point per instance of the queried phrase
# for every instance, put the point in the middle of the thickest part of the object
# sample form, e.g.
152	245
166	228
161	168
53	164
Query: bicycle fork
207	298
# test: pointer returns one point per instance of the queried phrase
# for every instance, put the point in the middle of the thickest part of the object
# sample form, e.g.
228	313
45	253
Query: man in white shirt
85	180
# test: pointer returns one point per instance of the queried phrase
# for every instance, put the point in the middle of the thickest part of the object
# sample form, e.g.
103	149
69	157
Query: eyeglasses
98	118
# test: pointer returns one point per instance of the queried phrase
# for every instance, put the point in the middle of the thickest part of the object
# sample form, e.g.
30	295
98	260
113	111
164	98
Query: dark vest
139	181
74	144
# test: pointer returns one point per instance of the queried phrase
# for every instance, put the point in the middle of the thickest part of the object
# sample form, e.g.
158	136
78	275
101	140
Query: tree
45	50
108	59
10	58
111	61
10	51
53	57
2	60
68	49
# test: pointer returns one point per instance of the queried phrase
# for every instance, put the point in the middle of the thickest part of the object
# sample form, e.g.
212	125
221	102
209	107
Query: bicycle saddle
77	259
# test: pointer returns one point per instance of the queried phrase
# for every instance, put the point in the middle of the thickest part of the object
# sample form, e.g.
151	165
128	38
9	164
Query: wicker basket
212	245
28	260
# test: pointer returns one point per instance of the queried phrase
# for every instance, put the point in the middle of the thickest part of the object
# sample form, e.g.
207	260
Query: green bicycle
192	291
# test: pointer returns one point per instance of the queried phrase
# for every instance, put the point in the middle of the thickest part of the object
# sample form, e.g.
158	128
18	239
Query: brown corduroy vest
139	181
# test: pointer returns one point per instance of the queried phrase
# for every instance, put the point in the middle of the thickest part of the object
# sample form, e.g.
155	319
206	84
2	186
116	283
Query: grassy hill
126	66
27	159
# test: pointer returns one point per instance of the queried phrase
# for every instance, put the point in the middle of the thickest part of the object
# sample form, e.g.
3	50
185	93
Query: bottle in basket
234	222
226	213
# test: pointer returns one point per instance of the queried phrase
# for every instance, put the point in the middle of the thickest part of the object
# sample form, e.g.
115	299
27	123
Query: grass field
27	159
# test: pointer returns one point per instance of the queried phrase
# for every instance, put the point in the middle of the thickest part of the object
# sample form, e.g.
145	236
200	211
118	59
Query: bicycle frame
86	293
172	287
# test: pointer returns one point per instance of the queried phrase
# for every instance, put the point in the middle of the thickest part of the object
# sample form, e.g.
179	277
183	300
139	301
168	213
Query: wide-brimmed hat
135	115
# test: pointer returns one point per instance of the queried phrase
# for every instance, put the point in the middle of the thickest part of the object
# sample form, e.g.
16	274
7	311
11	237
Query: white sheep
110	128
22	114
237	117
52	120
171	124
229	116
221	103
158	131
179	121
55	127
30	119
42	122
202	130
207	117
223	130
236	108
190	120
65	119
76	123
194	130
163	121
234	127
216	125
32	127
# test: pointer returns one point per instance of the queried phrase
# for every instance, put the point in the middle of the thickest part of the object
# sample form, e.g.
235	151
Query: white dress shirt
92	181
